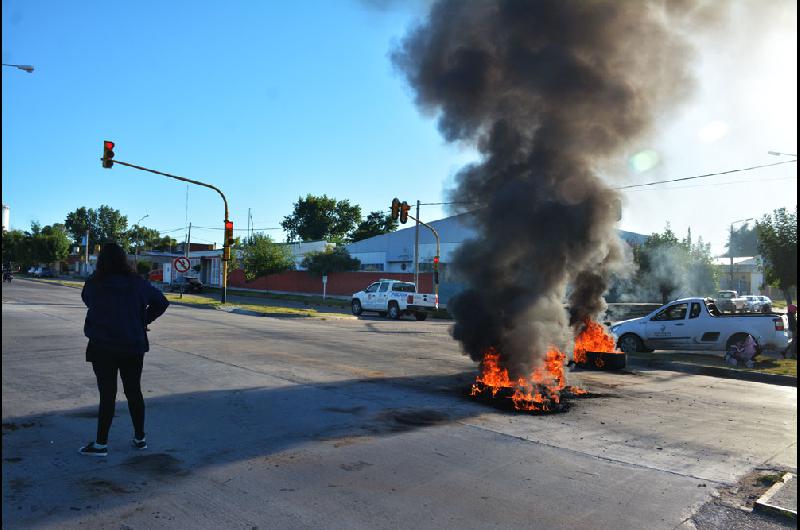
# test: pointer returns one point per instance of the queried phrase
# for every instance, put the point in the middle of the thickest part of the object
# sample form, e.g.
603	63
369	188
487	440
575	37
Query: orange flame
593	337
539	392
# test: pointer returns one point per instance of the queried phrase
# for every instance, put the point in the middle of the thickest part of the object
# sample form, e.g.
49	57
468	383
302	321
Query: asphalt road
259	422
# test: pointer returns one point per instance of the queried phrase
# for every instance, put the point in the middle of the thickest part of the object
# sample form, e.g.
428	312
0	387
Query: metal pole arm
197	182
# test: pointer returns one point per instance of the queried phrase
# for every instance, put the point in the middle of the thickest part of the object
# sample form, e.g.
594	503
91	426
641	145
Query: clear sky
274	100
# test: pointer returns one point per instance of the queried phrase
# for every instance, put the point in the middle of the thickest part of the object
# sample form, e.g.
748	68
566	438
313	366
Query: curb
765	504
713	371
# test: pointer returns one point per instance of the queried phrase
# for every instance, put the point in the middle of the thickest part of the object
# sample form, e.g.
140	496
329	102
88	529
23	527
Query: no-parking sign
181	264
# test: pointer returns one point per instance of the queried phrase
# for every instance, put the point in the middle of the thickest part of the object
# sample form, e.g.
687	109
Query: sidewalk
781	498
768	369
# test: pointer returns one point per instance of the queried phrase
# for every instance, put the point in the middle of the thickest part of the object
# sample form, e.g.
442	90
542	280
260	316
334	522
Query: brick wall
339	283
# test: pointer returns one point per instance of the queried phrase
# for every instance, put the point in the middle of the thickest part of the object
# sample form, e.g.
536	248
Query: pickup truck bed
696	324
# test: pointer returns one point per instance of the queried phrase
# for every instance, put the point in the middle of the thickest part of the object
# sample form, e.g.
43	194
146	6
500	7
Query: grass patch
766	365
206	301
303	299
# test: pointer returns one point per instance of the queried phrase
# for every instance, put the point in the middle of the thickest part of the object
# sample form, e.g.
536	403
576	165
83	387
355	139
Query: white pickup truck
731	302
394	298
697	324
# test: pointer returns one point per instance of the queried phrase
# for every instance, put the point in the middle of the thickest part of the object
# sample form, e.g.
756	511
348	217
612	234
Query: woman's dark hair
112	260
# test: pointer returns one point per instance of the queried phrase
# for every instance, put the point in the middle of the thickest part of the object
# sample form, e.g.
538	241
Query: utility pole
416	249
730	250
86	253
188	241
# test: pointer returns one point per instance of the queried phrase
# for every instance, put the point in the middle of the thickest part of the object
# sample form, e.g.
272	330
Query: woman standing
121	305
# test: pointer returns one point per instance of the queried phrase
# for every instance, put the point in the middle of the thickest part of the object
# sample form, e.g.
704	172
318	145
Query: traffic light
108	154
404	208
395	208
226	249
436	269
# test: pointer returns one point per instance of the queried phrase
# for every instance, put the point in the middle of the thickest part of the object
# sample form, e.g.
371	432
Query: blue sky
273	100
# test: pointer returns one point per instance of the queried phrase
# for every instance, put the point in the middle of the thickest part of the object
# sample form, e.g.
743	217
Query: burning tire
630	343
355	306
604	361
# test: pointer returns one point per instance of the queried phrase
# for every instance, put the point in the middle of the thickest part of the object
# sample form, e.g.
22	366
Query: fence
339	283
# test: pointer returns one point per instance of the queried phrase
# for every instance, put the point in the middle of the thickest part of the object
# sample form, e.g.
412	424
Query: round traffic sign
181	264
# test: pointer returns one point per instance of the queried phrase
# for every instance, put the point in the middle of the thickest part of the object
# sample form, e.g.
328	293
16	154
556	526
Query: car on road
43	272
394	298
697	324
186	284
765	304
730	302
752	304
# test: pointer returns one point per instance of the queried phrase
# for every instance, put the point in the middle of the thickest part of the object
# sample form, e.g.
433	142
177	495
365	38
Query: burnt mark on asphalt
355	466
98	486
157	466
345	410
404	420
11	426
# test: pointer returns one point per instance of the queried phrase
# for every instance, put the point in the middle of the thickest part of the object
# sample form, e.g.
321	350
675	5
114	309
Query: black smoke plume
551	92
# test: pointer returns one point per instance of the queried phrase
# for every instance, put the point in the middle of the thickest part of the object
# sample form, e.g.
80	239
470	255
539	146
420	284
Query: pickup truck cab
394	298
697	324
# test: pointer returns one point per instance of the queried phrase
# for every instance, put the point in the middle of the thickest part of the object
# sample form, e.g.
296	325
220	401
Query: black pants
130	369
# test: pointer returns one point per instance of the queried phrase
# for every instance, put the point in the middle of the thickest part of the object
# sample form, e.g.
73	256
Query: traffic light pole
225	251
436	265
416	248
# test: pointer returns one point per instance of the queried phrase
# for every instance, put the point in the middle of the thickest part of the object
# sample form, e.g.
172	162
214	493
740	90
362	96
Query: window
403	287
384	287
695	312
673	312
374	287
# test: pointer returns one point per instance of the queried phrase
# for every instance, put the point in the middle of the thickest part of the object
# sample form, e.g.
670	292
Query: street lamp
28	68
777	153
136	250
730	247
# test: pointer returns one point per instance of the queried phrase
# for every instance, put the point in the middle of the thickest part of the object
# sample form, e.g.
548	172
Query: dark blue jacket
120	307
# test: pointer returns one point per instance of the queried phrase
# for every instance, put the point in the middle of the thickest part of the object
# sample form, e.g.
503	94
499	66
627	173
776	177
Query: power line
705	176
237	229
709	184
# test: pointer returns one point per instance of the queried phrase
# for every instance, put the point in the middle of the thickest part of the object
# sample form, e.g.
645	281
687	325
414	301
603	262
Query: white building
745	275
6	218
394	252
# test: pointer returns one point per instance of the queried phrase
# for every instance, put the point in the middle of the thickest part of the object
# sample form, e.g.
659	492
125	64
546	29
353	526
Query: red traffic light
229	225
436	259
108	154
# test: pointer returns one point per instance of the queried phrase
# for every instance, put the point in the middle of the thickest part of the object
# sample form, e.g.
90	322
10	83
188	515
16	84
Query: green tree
104	224
669	266
743	241
777	235
79	221
142	237
262	256
322	218
111	226
17	248
375	224
49	244
332	259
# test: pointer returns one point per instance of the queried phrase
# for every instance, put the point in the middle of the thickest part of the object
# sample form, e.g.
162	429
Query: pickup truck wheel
420	316
630	343
394	310
355	306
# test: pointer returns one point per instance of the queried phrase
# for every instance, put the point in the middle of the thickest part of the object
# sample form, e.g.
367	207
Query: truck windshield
404	287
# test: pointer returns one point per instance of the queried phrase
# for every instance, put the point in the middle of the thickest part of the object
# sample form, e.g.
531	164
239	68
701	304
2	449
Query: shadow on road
47	482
